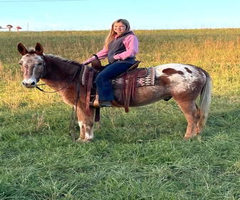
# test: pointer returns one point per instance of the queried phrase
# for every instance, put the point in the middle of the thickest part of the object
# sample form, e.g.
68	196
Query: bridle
63	88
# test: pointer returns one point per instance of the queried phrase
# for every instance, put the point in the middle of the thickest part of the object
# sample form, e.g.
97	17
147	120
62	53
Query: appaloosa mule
184	83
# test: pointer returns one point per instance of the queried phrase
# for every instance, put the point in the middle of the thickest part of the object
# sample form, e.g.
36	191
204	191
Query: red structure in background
18	28
9	27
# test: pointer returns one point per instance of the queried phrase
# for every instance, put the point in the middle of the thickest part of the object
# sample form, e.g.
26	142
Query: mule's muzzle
31	84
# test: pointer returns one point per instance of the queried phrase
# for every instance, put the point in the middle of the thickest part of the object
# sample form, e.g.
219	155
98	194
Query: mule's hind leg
191	113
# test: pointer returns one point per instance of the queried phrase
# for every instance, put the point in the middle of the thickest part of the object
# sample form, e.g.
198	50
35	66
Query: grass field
139	155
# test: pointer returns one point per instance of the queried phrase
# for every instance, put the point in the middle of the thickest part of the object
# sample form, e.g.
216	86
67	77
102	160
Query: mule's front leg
85	122
86	132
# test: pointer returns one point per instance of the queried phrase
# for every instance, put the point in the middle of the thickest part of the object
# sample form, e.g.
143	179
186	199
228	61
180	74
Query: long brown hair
112	33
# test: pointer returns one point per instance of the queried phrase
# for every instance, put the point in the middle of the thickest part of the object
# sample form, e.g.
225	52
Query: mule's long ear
22	49
39	49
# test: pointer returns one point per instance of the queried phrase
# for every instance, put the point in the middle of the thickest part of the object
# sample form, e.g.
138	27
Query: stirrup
106	104
98	104
95	102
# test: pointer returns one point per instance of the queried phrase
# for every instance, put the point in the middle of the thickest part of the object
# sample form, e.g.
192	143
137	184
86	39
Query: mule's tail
205	101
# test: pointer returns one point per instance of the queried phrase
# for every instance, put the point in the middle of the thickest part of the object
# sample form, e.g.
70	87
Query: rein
74	109
74	114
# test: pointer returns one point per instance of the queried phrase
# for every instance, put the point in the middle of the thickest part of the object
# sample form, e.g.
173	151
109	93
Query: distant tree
9	27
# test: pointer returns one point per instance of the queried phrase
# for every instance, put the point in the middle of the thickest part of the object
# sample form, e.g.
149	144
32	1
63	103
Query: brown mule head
32	64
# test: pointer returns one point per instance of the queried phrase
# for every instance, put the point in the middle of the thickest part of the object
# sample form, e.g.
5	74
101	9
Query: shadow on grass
141	124
160	120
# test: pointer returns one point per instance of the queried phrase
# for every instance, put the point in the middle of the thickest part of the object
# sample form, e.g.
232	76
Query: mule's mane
70	62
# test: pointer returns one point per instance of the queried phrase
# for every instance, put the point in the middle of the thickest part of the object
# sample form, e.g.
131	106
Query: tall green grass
139	155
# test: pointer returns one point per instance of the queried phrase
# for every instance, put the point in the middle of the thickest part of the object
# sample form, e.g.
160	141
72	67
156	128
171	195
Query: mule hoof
79	140
188	137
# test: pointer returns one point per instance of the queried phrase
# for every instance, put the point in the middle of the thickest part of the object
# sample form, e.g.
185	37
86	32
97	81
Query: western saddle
128	86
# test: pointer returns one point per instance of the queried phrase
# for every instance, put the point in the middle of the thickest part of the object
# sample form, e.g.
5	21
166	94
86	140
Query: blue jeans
103	79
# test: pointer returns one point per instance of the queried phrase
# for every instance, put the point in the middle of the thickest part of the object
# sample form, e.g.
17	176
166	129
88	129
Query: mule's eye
39	64
20	63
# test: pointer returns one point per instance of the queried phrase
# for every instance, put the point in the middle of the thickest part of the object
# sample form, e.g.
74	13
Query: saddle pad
146	80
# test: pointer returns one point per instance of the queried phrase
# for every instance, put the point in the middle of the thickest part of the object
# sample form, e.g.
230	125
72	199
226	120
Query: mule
183	82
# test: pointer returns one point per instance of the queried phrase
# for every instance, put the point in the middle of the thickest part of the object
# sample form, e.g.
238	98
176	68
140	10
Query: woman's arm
101	55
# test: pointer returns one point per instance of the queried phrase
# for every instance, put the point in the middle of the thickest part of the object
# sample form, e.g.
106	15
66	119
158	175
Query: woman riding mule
121	46
183	82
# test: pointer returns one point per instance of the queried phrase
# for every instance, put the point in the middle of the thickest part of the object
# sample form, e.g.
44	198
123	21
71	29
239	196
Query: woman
121	46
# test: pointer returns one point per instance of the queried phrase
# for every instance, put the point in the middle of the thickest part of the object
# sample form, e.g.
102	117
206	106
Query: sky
50	15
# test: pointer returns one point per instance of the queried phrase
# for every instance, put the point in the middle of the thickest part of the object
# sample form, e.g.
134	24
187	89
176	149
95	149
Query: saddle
127	83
